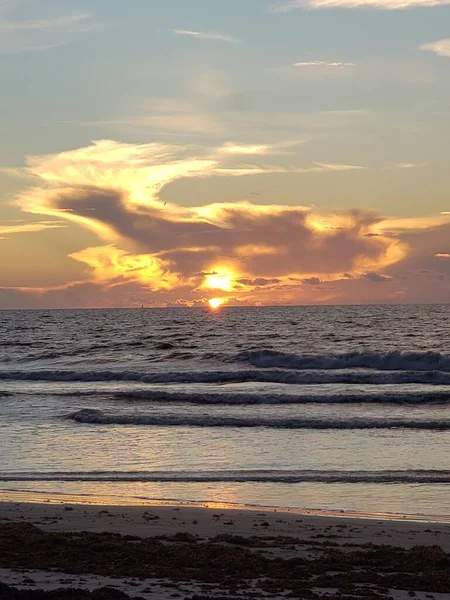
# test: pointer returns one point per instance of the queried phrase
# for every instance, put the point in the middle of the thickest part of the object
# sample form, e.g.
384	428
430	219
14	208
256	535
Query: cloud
170	120
30	35
406	165
259	282
55	23
338	167
324	63
113	189
441	47
12	171
285	7
212	107
8	229
376	277
233	148
442	255
251	253
245	149
201	35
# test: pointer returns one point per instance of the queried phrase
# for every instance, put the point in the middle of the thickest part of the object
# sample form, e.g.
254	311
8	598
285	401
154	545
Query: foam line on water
238	476
98	417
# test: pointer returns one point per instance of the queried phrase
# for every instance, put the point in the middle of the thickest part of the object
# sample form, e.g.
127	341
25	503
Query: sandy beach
184	551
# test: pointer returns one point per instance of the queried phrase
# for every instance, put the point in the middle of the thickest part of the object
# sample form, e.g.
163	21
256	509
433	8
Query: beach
224	300
216	459
185	551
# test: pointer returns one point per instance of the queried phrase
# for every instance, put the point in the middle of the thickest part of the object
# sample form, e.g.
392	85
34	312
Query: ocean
336	408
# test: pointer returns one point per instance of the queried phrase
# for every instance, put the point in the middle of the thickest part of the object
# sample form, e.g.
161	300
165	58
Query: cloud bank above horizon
160	253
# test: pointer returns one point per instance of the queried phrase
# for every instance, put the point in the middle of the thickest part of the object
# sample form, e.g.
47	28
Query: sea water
343	408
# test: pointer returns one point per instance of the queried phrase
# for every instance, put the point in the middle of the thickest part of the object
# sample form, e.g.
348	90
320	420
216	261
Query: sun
219	281
216	303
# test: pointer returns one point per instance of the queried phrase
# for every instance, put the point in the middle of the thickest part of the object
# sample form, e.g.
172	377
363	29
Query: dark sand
161	552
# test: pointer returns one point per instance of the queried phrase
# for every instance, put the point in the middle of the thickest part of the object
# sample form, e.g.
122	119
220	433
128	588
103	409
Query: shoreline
124	502
157	551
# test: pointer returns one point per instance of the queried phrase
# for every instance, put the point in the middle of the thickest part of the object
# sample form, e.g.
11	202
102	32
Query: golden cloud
19	227
248	252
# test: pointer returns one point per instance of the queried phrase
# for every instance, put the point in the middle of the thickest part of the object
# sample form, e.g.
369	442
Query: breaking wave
239	476
390	361
285	375
98	417
240	398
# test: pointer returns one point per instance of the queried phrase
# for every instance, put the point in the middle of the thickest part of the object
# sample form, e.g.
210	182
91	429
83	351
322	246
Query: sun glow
216	303
219	281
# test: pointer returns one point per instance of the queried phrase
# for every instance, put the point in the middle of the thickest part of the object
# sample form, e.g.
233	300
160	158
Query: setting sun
215	303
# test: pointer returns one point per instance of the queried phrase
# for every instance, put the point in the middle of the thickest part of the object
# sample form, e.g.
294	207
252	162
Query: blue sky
328	108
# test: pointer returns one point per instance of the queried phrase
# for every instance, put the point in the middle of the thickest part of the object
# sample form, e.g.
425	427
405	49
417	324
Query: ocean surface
343	408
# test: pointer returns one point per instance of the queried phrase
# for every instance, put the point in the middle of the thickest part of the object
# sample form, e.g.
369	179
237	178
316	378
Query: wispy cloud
441	47
203	35
338	167
7	26
406	165
285	7
13	171
33	35
10	229
324	63
237	149
442	255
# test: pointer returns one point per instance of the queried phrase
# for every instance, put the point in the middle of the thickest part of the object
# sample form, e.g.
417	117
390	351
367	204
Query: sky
224	152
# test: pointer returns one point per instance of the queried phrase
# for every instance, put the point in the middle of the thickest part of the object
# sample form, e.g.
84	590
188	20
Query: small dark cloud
377	277
371	235
347	276
312	281
259	281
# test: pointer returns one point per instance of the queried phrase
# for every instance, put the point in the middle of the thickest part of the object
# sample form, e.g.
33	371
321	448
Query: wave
238	476
273	375
243	398
98	417
391	361
240	398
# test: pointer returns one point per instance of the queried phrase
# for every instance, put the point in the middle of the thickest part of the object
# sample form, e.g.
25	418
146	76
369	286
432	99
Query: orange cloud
251	253
111	265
